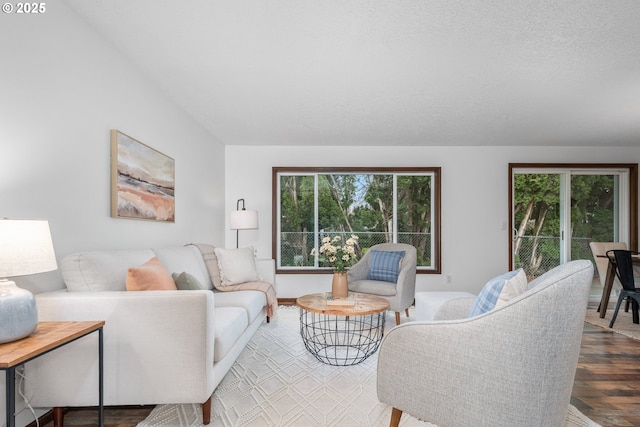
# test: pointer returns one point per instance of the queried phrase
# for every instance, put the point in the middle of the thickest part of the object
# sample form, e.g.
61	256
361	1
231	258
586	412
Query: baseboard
286	301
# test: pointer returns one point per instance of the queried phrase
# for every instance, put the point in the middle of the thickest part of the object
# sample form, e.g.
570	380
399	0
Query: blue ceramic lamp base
18	312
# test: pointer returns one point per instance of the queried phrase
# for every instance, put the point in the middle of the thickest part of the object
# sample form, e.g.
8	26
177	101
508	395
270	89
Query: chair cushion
152	275
237	266
499	290
385	265
375	287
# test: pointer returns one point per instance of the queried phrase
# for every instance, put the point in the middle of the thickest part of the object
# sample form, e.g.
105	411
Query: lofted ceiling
371	72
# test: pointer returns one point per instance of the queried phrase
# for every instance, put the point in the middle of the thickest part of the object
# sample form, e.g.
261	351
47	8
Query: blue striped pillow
488	298
385	265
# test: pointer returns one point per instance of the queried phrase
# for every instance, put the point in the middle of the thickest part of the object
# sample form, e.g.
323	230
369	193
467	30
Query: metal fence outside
295	247
540	254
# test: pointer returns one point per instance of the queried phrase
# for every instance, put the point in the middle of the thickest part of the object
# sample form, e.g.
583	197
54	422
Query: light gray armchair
512	366
401	293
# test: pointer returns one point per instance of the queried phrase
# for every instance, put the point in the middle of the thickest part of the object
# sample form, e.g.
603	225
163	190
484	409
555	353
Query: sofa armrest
158	348
267	270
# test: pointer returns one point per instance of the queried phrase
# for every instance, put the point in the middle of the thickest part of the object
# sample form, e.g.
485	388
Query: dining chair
599	251
624	272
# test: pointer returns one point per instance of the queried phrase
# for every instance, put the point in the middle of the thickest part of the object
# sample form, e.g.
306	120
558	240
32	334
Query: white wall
63	89
474	200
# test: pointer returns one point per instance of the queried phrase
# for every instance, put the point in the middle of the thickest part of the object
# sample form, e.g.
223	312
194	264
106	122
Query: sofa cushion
230	323
376	287
151	276
100	271
185	258
236	266
186	282
509	283
251	301
385	265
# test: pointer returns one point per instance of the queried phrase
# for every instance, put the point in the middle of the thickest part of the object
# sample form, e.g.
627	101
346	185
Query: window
400	205
558	209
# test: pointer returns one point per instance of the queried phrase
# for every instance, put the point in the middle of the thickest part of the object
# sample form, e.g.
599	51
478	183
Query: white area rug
277	382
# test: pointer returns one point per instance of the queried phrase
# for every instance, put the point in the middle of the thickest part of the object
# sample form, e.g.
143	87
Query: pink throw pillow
151	276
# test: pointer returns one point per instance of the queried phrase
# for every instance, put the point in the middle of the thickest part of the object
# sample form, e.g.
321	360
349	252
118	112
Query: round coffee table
342	335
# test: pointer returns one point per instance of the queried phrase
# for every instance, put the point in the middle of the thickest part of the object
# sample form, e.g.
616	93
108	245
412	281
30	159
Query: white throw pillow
513	287
237	266
499	290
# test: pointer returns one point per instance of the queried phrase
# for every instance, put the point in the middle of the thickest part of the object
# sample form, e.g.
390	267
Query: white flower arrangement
339	256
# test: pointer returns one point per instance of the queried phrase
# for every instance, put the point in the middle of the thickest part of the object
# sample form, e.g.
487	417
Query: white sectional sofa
169	346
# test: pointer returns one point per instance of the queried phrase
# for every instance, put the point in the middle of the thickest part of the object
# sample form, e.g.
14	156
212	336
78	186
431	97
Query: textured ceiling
367	72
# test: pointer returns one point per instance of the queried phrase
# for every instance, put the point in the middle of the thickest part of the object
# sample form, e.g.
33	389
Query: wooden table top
48	335
365	304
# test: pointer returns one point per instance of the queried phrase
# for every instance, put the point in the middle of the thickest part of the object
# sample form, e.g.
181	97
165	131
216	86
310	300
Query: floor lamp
242	219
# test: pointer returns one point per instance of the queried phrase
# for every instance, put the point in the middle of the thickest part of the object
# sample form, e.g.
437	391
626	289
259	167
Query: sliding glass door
557	211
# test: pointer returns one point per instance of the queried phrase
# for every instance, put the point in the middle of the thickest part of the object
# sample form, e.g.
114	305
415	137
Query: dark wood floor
607	384
606	388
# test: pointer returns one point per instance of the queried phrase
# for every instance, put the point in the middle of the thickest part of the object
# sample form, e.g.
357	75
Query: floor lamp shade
244	220
25	248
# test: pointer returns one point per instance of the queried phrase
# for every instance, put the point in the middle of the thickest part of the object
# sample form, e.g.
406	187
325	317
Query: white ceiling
372	72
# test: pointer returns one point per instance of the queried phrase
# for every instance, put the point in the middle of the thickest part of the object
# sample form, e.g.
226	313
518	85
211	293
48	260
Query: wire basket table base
341	340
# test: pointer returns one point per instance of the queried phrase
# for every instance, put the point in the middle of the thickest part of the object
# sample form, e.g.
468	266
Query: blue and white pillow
499	290
385	265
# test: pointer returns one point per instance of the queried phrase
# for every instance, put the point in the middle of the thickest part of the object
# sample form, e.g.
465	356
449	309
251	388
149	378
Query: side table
47	337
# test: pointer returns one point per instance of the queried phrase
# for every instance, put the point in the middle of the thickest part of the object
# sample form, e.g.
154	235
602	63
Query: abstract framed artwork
142	181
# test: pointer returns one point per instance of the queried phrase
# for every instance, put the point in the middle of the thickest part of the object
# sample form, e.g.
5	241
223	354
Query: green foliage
537	216
360	204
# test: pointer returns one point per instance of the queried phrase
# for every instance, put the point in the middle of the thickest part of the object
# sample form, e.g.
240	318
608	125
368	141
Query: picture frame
142	180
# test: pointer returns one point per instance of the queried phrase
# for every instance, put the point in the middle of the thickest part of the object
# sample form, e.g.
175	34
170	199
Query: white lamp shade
25	247
244	220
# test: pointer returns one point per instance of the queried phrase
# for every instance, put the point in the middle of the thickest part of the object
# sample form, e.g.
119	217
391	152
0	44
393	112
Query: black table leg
100	379
10	398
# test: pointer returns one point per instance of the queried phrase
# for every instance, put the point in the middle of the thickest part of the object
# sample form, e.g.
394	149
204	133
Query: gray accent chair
512	366
400	294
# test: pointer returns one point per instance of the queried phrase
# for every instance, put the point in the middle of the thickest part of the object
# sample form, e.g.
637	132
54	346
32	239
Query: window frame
300	170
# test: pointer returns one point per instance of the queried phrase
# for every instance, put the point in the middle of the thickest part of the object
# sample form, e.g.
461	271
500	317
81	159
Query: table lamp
25	248
242	219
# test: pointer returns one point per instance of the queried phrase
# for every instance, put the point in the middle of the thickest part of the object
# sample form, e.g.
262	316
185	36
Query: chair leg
58	416
615	312
634	310
206	411
397	317
395	417
406	310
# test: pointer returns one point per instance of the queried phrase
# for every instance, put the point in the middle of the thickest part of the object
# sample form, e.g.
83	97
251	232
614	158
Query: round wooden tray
364	304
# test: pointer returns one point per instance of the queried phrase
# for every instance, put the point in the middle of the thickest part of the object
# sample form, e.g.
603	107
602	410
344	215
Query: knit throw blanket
211	261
